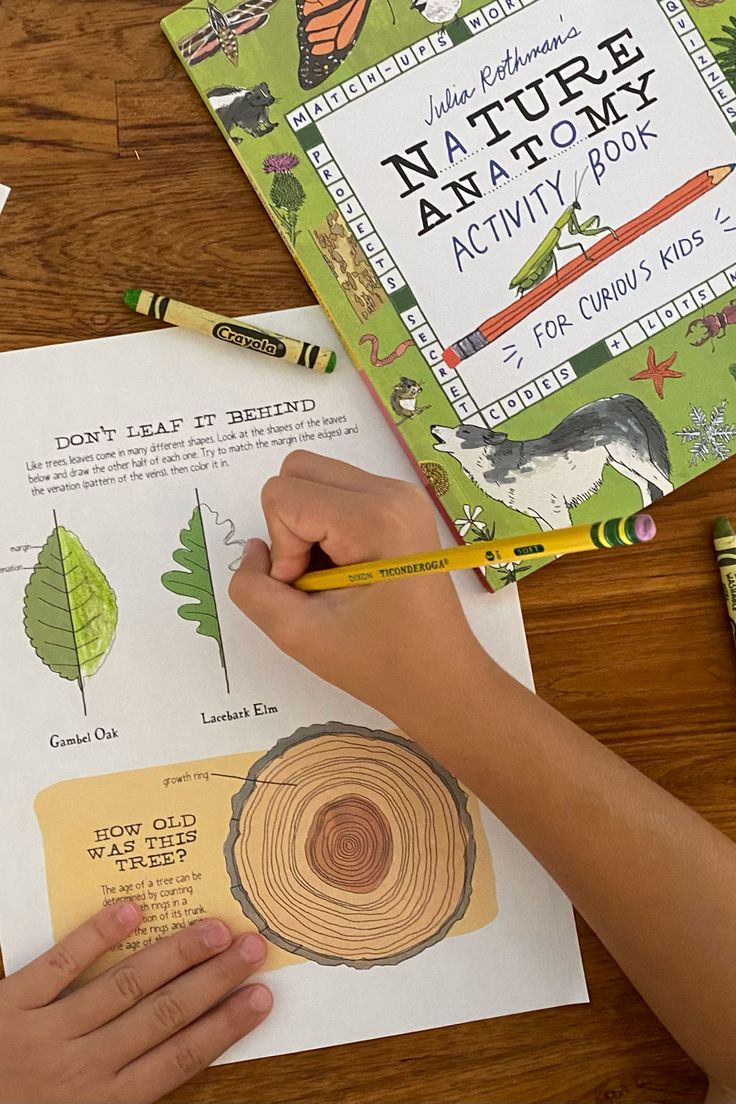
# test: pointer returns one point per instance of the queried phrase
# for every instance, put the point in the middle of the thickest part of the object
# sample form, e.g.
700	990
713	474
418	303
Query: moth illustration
327	30
222	31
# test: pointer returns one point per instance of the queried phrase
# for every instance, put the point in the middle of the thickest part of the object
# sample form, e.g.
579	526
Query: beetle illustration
712	326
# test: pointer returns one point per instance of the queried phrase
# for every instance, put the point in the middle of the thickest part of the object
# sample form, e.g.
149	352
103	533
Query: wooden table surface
119	178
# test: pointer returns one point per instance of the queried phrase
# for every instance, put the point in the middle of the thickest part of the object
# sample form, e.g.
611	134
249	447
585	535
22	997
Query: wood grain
108	150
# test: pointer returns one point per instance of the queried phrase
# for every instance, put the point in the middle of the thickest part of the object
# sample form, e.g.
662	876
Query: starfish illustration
658	373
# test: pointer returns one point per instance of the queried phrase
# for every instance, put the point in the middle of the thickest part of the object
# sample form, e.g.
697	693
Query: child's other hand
138	1030
387	644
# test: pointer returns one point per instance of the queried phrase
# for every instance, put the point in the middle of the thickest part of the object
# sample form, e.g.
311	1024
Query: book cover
517	214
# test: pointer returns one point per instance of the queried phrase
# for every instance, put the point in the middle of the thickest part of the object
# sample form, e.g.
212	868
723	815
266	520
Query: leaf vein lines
201	590
56	628
64	609
87	624
81	605
90	659
60	559
59	590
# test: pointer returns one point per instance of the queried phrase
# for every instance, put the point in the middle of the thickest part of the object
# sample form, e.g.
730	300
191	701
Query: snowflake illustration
708	437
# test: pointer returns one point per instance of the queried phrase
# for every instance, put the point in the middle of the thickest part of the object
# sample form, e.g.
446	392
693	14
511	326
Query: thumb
273	606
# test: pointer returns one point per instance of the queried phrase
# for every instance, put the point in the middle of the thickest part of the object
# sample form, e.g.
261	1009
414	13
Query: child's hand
389	644
135	1032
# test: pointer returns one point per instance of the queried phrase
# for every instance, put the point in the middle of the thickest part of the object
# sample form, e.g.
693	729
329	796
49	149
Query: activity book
517	214
208	773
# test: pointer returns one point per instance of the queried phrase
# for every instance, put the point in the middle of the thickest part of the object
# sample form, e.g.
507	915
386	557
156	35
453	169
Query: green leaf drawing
195	582
69	610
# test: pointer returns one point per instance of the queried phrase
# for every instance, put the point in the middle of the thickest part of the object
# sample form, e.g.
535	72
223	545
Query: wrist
452	695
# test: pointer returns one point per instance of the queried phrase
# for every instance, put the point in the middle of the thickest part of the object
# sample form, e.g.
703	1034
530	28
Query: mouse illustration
404	399
246	108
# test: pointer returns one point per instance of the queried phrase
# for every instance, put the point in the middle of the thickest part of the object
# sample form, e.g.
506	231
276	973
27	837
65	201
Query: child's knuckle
167	1012
128	982
188	1057
63	962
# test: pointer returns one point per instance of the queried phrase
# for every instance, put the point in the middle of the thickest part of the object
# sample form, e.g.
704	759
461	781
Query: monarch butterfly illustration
327	30
222	30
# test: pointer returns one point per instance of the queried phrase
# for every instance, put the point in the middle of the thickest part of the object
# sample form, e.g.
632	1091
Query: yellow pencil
240	334
580	538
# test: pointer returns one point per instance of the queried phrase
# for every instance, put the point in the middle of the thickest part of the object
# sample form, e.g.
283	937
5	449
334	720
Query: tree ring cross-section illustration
351	847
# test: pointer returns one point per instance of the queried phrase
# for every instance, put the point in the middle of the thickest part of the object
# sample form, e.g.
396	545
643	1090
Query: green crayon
724	539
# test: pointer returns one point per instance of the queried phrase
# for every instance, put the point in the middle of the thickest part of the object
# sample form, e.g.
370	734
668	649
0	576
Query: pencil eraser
644	528
331	363
450	358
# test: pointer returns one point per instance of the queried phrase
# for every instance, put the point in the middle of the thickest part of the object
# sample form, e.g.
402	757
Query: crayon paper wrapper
158	836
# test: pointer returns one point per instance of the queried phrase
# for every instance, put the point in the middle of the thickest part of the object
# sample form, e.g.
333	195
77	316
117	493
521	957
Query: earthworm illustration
379	362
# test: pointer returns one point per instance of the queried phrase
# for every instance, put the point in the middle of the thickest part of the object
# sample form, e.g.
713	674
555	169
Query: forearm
654	880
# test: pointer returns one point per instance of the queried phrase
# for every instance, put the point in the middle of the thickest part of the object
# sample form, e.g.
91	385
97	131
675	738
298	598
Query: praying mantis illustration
544	257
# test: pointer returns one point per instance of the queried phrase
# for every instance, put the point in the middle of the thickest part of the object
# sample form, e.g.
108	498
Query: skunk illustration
246	108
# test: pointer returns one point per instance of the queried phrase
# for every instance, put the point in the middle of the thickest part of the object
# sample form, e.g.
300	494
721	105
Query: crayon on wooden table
230	330
724	539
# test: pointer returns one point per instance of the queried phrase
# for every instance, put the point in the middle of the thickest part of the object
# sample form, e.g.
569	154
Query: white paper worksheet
155	744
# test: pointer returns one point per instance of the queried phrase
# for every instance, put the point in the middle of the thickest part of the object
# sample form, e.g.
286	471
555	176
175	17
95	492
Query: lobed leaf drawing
70	612
196	582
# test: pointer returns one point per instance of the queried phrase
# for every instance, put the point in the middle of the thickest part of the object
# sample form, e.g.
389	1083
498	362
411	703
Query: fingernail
246	549
127	914
259	999
252	948
214	934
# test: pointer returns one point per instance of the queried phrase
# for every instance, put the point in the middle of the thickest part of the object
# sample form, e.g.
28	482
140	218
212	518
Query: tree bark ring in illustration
362	855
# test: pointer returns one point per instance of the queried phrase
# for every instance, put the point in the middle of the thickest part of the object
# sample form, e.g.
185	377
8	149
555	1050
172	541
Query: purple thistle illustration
280	162
287	194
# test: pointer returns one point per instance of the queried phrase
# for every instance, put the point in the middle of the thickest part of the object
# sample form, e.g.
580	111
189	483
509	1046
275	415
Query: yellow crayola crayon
241	334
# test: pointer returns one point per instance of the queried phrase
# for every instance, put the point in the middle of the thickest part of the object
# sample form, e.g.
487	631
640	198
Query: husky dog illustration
547	476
